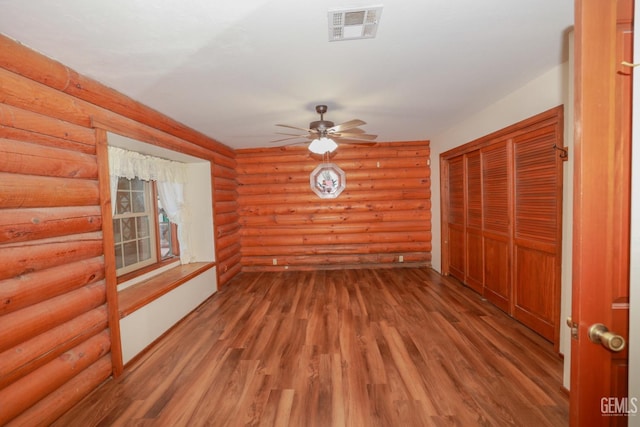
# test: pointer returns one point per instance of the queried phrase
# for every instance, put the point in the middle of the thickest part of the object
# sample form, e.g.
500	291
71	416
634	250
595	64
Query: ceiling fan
324	133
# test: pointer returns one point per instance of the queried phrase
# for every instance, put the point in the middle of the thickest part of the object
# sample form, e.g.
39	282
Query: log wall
58	317
383	214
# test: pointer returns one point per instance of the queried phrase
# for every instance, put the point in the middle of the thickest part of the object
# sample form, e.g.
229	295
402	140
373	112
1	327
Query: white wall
567	226
547	91
145	325
198	194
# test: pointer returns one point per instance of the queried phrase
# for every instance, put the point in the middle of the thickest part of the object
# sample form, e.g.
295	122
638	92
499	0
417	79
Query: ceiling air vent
351	24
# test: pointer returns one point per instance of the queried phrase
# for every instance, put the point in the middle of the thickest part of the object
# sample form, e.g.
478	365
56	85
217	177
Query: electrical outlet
401	258
275	261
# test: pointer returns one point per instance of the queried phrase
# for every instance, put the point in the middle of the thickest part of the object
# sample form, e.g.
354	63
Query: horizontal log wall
58	316
53	312
227	227
383	214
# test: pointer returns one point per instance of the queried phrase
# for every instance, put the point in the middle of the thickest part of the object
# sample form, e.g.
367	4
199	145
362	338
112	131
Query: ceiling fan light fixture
322	145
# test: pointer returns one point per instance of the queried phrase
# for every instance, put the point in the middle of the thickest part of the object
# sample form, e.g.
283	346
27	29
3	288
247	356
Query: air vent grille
352	24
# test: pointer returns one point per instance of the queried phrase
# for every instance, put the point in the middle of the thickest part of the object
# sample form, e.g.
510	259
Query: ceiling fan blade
289	138
347	125
349	135
304	135
294	143
352	142
354	130
295	127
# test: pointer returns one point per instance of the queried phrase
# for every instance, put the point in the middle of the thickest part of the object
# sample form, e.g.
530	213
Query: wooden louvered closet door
536	244
502	219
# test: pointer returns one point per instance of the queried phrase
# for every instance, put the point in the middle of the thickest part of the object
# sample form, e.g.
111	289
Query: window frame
151	196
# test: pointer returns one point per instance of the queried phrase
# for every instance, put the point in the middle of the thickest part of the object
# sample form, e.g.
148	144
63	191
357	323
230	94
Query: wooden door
455	217
603	38
496	206
537	231
474	267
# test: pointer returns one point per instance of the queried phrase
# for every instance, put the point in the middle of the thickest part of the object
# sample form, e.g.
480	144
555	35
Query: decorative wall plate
327	180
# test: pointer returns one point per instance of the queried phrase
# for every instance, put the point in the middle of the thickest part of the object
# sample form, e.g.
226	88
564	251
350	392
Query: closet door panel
537	215
495	188
536	180
496	209
474	277
456	252
456	218
475	260
497	287
534	290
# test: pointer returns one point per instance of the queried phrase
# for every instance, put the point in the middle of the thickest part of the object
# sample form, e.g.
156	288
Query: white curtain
170	177
130	164
172	199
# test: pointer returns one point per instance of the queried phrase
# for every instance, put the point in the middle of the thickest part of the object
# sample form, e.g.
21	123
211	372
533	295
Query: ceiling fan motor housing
321	125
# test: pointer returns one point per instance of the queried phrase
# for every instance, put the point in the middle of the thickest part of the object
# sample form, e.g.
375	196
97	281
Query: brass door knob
599	334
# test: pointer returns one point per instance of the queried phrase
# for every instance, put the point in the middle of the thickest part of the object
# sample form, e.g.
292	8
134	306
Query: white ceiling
234	69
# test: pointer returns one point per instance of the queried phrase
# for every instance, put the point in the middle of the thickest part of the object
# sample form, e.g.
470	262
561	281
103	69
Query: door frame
601	194
634	273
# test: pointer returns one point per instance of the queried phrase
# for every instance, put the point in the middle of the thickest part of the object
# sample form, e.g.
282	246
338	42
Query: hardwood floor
375	347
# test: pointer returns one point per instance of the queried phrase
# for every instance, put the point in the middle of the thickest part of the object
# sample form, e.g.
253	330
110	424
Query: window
143	234
178	207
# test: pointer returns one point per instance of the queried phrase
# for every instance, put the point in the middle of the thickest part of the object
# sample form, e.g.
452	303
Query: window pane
123	202
130	253
128	230
144	249
117	234
137	184
123	184
138	201
119	257
142	225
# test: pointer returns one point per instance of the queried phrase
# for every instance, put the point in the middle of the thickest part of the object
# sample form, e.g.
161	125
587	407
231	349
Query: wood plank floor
378	347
